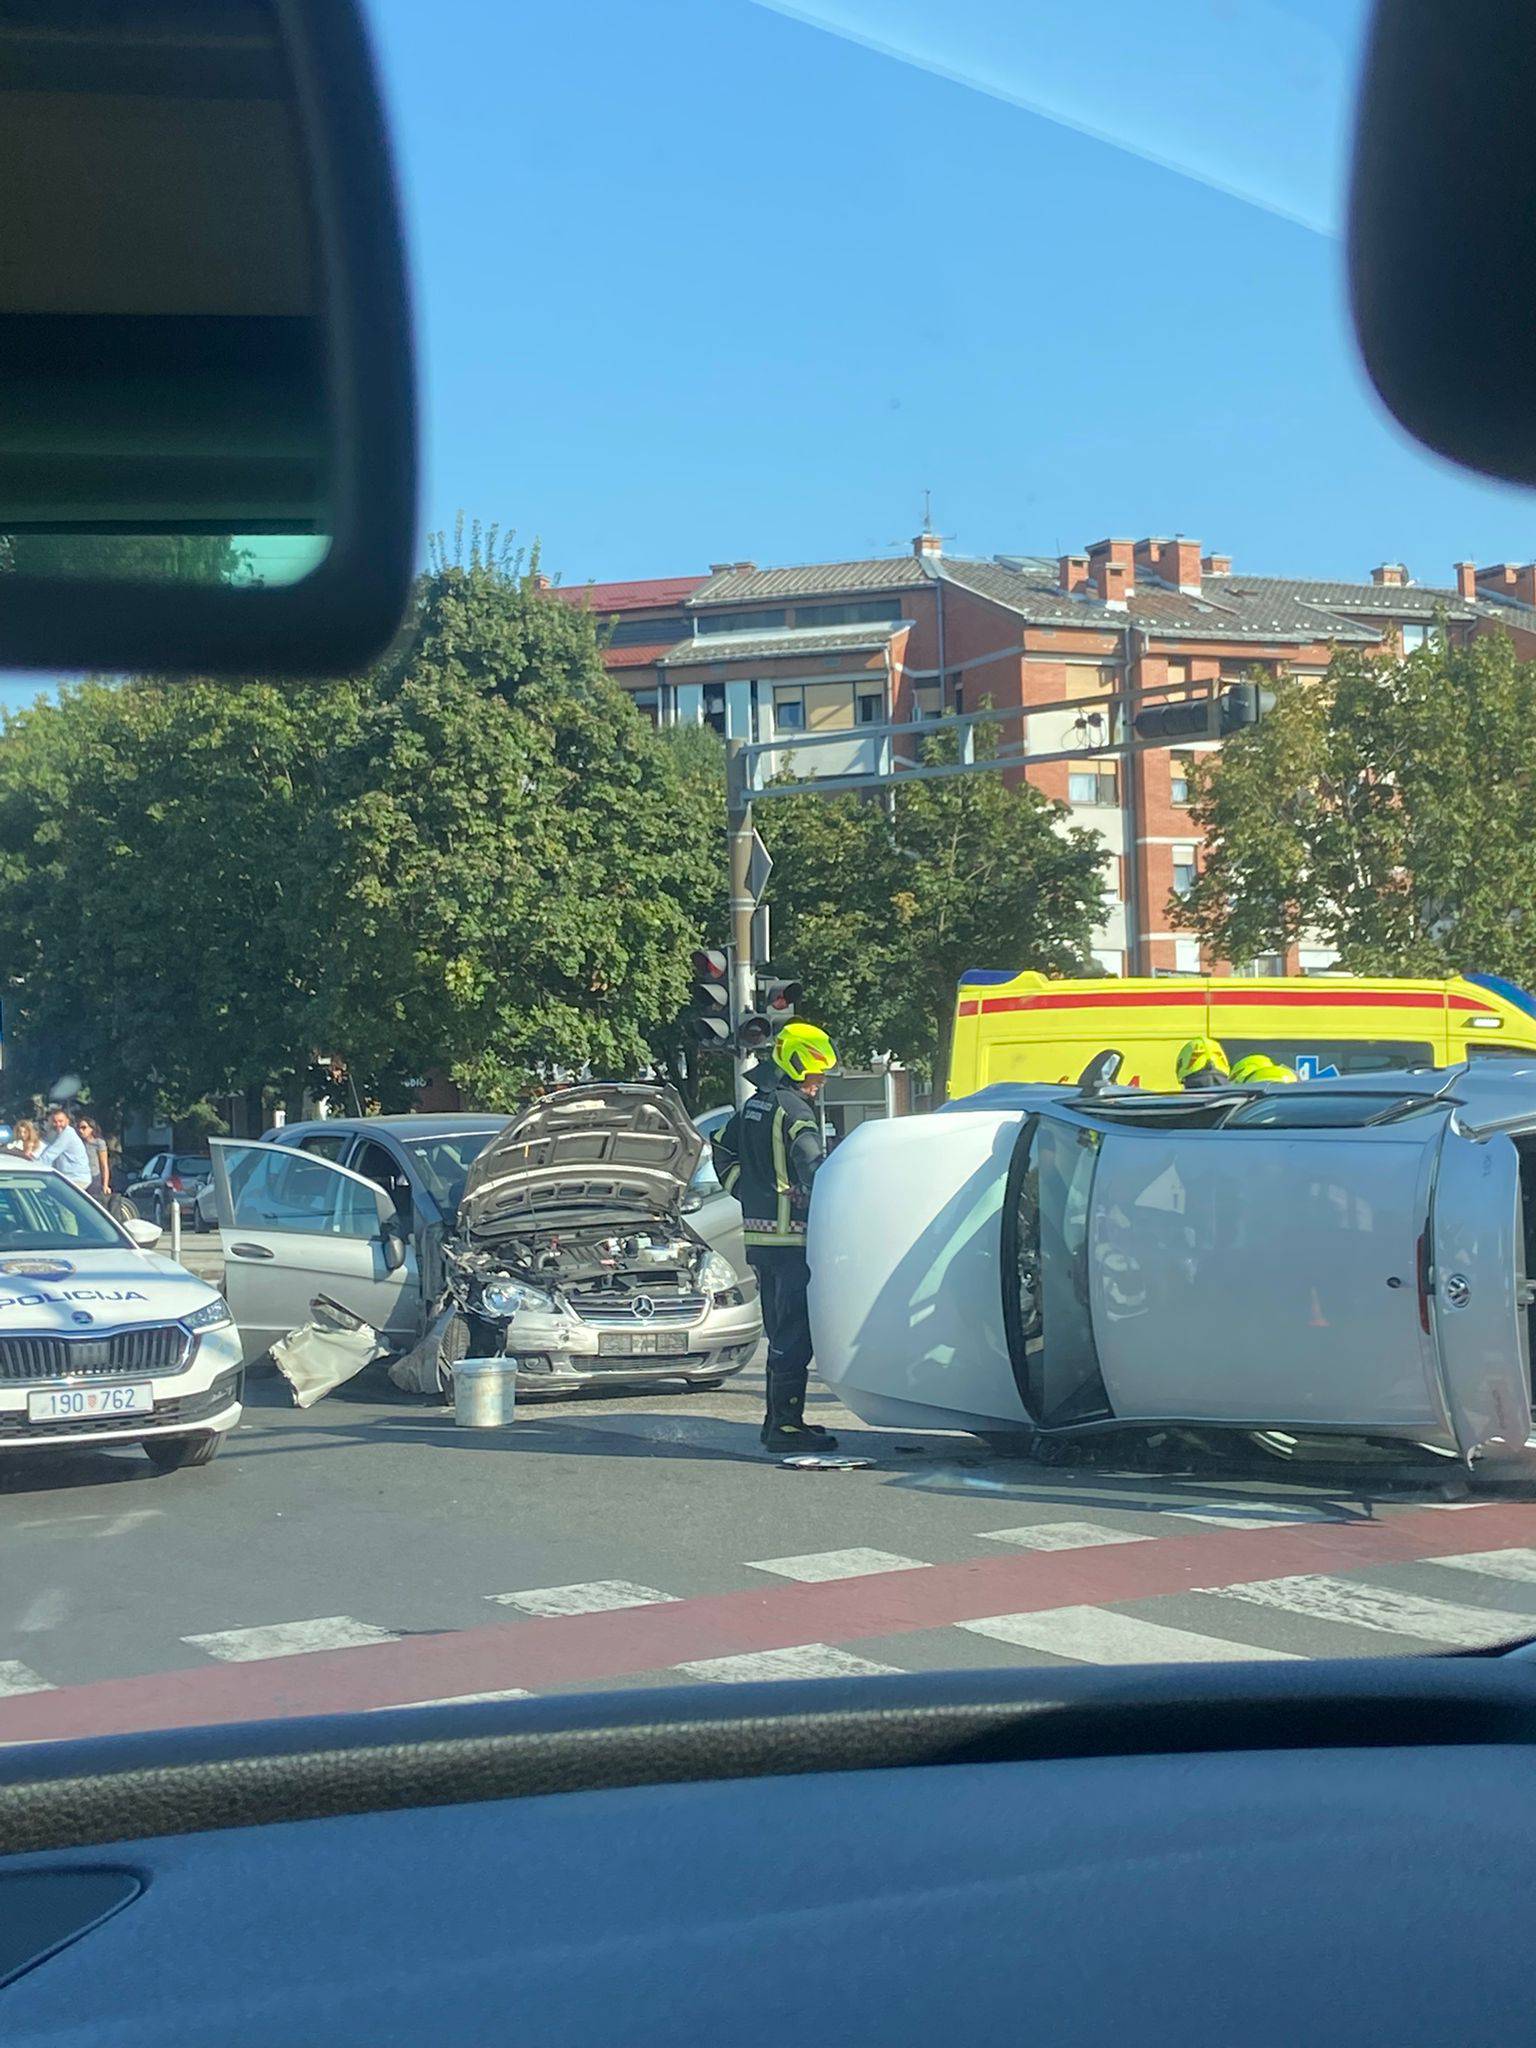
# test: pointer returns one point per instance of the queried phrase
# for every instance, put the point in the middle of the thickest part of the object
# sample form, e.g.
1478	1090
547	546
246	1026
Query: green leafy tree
880	904
126	557
1387	810
161	910
524	855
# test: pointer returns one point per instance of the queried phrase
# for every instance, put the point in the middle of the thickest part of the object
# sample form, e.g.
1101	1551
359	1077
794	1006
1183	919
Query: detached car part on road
102	1341
1334	1258
597	1202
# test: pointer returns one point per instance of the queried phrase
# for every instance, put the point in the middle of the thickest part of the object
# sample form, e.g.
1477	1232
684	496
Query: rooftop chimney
1119	555
1466	579
1216	565
927	546
1525	583
1390	572
1072	573
1498	575
1181	564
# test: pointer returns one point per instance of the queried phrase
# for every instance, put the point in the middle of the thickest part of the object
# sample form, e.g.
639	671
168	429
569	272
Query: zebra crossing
869	1610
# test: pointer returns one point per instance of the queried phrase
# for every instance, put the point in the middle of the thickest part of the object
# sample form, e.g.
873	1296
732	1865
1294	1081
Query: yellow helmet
1258	1066
803	1050
1199	1054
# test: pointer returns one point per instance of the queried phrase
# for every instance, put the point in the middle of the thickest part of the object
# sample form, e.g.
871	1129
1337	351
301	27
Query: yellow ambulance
1023	1027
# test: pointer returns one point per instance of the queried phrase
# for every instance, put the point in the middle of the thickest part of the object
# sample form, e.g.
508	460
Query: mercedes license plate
639	1344
81	1404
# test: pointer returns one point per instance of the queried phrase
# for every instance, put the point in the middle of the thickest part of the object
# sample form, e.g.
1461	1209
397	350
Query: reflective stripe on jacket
767	1156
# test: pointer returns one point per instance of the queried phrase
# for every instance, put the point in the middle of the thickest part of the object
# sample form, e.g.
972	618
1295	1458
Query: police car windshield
40	1212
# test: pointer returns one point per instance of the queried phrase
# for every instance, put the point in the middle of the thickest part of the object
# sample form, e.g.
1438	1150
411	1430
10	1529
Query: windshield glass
40	1212
443	1163
914	593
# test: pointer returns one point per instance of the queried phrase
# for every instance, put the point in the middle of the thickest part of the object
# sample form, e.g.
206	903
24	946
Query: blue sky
714	279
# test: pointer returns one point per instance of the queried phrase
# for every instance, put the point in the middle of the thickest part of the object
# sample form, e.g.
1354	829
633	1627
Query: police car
103	1341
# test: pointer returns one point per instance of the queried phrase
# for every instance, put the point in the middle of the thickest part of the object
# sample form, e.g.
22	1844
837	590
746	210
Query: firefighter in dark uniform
767	1156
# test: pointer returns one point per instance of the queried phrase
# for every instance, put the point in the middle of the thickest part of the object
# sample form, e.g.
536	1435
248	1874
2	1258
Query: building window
648	704
741	622
1096	783
1264	963
1316	960
714	707
789	710
871	707
925	701
643	632
1185	873
1181	770
1111	963
1186	956
1415	637
864	612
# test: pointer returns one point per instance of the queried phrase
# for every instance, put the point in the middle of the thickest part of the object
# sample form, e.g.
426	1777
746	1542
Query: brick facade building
833	647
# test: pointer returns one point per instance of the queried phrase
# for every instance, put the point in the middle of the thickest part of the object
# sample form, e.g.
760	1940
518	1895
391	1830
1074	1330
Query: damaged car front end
579	1252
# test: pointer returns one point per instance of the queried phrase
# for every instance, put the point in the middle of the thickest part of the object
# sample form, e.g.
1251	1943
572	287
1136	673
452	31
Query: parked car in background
1349	1257
169	1180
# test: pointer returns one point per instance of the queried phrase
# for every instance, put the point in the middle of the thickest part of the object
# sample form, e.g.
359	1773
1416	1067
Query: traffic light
712	998
1244	704
1206	718
777	999
755	1032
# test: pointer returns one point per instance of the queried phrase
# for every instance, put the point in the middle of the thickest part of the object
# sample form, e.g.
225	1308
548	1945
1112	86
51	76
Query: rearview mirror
1442	232
394	1246
145	1235
207	438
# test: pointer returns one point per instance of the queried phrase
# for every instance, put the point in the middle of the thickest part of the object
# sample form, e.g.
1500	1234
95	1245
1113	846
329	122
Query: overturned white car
1332	1258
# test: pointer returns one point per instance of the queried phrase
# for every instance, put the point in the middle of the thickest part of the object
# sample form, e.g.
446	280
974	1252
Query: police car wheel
173	1453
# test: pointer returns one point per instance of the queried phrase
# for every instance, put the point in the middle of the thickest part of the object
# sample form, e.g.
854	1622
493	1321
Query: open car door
293	1226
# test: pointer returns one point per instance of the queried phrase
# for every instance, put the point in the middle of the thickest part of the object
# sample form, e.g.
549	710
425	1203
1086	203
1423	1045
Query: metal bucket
484	1392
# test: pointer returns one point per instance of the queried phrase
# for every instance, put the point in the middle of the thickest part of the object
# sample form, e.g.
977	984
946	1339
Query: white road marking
454	1699
1061	1536
45	1610
805	1660
16	1679
131	1518
1519	1565
1098	1635
817	1566
1257	1514
593	1596
1325	1598
290	1639
1453	1507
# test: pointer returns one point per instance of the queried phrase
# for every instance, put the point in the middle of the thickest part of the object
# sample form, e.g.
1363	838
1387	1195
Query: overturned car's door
1265	1277
293	1226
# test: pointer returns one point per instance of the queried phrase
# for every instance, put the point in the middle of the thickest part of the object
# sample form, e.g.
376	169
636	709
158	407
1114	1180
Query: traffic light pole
738	817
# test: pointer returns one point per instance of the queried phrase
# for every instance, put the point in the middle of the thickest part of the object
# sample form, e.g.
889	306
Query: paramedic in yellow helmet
1203	1063
767	1156
1258	1066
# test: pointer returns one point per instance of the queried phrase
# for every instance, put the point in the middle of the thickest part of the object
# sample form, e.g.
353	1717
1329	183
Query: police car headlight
212	1316
512	1298
717	1275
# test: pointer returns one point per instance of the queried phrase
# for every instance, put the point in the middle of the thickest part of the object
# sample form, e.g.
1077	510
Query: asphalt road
368	1552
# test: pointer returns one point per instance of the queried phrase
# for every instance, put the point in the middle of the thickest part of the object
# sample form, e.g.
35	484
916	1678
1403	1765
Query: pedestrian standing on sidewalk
94	1139
27	1140
63	1151
766	1156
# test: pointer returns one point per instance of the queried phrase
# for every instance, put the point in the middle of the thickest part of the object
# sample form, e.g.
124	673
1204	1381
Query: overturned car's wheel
172	1453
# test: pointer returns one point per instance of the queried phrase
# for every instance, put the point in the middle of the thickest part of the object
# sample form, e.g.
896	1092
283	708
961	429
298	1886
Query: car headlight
717	1275
512	1298
213	1315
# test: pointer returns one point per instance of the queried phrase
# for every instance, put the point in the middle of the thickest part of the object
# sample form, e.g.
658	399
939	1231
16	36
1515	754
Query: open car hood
618	1151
